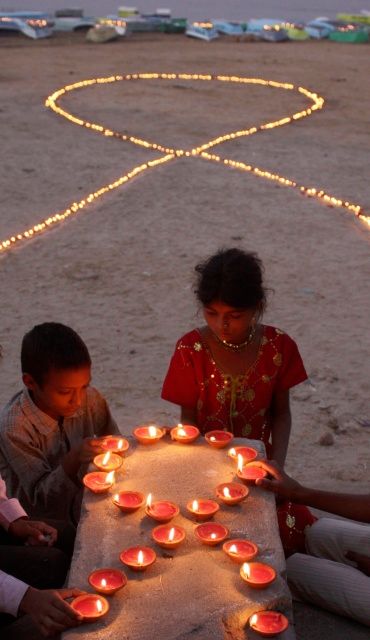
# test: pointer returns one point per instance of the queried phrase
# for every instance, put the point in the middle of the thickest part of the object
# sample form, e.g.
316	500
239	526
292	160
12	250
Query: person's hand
49	611
363	562
33	532
280	483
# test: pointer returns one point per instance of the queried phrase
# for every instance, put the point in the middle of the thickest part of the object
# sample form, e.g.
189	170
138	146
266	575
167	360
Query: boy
47	430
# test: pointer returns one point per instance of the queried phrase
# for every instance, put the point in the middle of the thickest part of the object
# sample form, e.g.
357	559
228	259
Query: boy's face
62	391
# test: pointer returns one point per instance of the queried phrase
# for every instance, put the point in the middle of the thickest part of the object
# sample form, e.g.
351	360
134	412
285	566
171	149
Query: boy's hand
49	611
33	532
279	483
363	562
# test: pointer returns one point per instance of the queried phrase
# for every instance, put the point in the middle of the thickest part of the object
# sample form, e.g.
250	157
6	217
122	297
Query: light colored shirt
12	590
32	447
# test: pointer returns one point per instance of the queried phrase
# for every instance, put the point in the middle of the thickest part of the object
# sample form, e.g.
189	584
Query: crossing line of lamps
172	153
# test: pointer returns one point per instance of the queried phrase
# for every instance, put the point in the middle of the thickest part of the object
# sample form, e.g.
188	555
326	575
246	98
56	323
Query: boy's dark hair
232	276
52	345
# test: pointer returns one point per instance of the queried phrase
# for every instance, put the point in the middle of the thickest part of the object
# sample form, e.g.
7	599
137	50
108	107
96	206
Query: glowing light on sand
170	154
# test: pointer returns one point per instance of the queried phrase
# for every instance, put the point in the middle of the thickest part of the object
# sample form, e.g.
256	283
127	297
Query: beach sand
121	271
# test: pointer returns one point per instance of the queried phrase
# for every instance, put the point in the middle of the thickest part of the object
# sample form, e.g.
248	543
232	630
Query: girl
235	373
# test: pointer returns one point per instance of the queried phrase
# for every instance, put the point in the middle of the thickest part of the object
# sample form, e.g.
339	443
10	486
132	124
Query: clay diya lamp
148	434
90	606
115	444
218	439
240	550
249	473
138	558
129	501
257	574
108	461
168	536
98	481
184	433
162	510
268	623
248	453
107	581
211	533
202	509
231	492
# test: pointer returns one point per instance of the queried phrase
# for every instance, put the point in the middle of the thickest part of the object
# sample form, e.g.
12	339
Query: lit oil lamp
257	574
162	510
108	461
268	623
138	558
231	492
249	473
218	439
149	434
98	481
240	550
90	606
202	509
115	444
107	581
211	533
129	500
184	433
248	453
168	536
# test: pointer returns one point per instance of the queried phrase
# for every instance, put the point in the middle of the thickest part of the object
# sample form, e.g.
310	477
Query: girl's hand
279	483
34	532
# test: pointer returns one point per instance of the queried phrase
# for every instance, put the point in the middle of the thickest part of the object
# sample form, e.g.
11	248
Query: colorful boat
175	25
72	20
202	30
350	33
229	28
34	24
273	33
116	22
320	28
296	32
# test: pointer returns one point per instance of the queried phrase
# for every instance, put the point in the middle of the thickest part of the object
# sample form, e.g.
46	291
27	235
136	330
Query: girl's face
228	323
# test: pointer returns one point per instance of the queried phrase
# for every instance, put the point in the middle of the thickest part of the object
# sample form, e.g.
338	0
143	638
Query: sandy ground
121	272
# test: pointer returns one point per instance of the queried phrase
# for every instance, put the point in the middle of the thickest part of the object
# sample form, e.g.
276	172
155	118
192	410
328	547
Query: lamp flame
140	557
109	478
171	535
195	505
149	501
181	432
227	492
106	459
152	431
213	536
103	582
232	452
246	569
116	497
233	549
254	619
240	462
120	444
212	439
99	606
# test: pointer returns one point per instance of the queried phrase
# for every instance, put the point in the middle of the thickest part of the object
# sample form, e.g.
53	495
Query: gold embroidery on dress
249	395
279	332
266	378
197	346
290	521
277	359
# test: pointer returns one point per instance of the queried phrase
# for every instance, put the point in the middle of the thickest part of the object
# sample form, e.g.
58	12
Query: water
297	10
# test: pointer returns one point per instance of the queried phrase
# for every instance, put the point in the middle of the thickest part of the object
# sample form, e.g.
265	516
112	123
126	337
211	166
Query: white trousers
325	577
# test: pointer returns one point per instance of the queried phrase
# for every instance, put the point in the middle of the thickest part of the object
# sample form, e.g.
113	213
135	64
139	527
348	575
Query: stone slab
193	592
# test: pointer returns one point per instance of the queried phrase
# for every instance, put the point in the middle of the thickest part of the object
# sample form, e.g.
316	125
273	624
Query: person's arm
281	425
33	532
49	611
347	505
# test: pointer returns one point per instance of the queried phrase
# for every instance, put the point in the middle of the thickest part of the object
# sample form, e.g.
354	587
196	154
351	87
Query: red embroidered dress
240	404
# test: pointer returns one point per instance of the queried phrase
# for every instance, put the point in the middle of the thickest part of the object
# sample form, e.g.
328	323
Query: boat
34	24
72	20
350	33
296	31
229	28
174	25
202	30
115	22
273	33
354	18
320	27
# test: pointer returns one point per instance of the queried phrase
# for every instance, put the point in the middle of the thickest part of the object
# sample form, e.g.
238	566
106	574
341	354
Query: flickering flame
120	444
212	439
227	492
110	477
103	582
152	431
246	569
233	549
195	505
232	452
149	501
140	557
171	535
240	462
99	606
116	497
213	536
181	432
106	459
254	619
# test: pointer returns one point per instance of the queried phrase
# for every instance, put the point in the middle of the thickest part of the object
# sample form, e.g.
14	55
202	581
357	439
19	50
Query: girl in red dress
235	373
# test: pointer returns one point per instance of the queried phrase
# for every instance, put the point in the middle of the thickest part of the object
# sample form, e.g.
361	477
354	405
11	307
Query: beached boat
349	33
34	24
228	28
202	30
72	20
174	25
116	22
354	18
320	27
273	33
296	31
